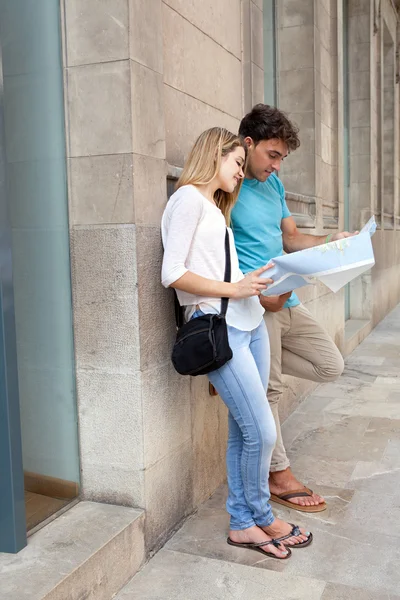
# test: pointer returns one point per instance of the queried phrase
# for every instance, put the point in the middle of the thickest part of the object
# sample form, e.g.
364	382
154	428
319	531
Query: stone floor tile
388	428
369	361
374	512
344	440
338	558
373	476
318	471
177	576
336	591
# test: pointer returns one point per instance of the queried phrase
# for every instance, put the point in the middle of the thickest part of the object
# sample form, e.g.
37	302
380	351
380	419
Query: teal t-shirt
256	224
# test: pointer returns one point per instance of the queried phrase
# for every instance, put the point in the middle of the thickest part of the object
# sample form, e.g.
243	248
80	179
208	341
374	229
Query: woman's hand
252	284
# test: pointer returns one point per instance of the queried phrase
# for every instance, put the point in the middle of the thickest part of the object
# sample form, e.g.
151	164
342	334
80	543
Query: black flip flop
295	532
258	547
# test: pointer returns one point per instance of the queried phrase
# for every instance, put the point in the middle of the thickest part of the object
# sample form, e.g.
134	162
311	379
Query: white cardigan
193	234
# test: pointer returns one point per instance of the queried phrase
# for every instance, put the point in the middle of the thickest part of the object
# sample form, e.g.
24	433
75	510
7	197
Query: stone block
114	485
360	113
326	68
326	143
149	189
296	47
360	140
156	304
296	12
308	131
359	29
111	436
89	552
169	495
296	91
257	47
299	176
357	8
323	180
104	281
360	167
257	78
166	412
259	4
101	189
326	106
96	31
146	32
185	119
148	129
208	16
99	109
359	57
209	436
212	75
324	25
360	86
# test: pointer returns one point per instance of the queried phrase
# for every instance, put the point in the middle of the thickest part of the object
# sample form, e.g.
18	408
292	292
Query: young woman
193	231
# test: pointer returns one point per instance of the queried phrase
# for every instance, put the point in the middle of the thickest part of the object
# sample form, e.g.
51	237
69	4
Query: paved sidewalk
344	441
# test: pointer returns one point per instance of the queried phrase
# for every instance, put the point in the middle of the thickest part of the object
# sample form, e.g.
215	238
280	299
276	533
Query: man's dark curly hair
266	122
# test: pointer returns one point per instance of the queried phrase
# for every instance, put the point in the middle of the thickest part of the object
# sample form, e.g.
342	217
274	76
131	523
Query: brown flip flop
284	499
258	548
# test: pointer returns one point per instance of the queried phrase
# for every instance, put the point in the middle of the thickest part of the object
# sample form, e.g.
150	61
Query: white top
193	234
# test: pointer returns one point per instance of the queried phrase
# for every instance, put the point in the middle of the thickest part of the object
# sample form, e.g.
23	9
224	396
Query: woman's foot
280	529
255	535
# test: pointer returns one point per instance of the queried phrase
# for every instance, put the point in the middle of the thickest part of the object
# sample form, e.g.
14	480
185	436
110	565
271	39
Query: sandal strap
294	533
260	544
305	492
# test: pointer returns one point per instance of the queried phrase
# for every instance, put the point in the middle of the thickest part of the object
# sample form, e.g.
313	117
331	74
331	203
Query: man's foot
255	535
284	482
280	529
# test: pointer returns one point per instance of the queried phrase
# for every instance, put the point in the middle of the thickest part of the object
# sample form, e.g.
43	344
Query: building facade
102	101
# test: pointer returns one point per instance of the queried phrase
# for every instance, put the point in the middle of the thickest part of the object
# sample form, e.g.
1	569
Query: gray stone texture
89	552
345	452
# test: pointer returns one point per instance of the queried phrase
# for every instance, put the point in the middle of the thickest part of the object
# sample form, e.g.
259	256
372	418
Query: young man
263	228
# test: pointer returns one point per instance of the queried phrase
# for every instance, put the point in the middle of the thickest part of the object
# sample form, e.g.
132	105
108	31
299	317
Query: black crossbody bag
202	343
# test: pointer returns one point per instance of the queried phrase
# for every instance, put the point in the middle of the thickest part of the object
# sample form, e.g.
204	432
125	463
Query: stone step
89	552
174	575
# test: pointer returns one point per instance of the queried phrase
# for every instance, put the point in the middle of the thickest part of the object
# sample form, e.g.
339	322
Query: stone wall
142	79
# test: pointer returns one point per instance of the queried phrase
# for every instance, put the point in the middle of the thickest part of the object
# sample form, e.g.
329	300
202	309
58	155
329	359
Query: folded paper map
335	263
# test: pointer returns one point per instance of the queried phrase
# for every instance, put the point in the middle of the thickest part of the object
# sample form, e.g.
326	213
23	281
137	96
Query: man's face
264	158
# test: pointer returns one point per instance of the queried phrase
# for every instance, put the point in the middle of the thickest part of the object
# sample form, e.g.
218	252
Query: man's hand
341	236
274	303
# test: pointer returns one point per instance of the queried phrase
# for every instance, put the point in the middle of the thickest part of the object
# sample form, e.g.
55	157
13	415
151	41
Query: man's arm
293	240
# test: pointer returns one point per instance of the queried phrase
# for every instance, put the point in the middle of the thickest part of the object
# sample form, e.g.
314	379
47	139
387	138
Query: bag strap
179	310
227	275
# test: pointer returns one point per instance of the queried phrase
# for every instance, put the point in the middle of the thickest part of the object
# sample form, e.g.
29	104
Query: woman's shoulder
186	192
186	200
186	196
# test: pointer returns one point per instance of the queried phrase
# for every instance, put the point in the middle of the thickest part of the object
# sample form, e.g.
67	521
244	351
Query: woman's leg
252	431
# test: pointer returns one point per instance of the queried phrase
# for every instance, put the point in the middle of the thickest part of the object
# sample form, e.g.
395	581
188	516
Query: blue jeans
242	383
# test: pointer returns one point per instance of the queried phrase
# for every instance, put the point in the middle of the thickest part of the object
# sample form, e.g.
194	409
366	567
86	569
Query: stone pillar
101	163
252	53
134	410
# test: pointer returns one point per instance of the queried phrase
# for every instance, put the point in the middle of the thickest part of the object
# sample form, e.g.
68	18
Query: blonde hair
204	163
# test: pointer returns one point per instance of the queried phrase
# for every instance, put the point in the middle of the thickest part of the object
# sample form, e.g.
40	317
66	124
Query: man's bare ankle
284	474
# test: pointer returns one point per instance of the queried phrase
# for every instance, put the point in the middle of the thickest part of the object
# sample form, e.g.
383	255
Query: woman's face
231	171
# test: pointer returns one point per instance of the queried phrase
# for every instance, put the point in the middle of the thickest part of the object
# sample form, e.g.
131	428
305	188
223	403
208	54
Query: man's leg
278	323
309	353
